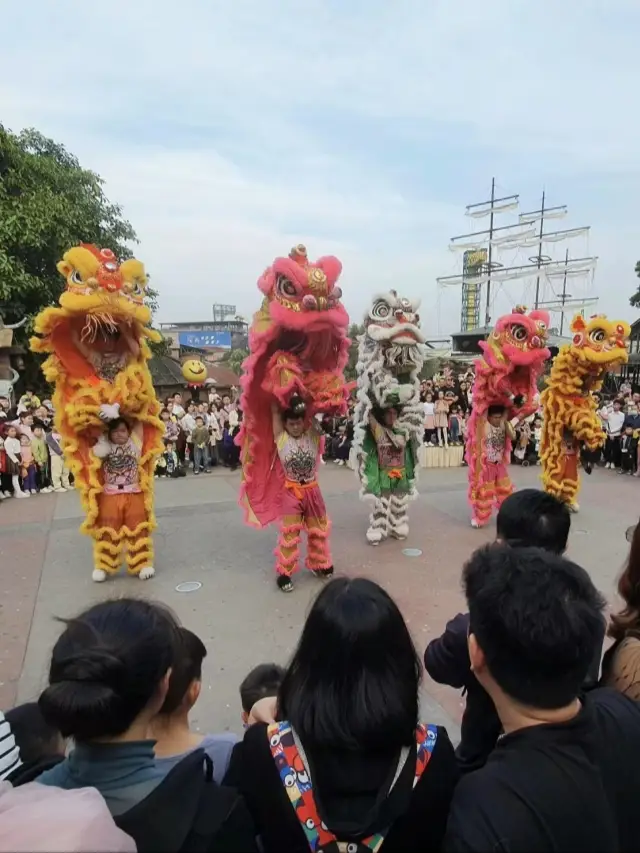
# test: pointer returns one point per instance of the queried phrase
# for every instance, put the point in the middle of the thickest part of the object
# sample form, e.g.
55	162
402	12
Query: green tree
48	203
355	330
635	299
234	358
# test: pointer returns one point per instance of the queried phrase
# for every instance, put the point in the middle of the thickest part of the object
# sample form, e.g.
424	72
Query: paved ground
45	572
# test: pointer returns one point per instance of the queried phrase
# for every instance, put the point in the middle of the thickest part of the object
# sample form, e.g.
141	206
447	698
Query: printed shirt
299	456
389	455
120	468
495	443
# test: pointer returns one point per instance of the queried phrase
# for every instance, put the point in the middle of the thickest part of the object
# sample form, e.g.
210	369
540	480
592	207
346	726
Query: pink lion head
518	339
304	296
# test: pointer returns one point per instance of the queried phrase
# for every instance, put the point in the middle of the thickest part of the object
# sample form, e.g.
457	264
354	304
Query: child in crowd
442	419
41	458
171	729
171	428
454	425
14	461
171	466
429	418
28	469
628	451
263	682
59	471
200	444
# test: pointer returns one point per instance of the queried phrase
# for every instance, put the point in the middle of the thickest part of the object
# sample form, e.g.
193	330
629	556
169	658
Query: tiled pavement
45	572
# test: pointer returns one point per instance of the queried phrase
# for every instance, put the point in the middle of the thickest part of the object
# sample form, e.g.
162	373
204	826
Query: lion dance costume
298	346
568	405
390	358
98	352
506	376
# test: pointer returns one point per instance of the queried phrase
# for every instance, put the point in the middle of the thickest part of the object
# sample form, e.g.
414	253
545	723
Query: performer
569	408
390	471
504	392
389	417
298	350
98	352
122	515
302	507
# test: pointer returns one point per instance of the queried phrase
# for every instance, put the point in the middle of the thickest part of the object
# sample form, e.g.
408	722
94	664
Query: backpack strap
297	783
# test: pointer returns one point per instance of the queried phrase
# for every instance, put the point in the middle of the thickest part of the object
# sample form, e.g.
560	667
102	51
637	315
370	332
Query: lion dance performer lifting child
504	392
105	406
569	417
388	418
298	350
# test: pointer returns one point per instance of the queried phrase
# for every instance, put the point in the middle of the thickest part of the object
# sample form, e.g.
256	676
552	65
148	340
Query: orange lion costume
98	353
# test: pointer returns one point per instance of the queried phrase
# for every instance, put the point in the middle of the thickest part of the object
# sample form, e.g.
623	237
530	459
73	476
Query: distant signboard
205	340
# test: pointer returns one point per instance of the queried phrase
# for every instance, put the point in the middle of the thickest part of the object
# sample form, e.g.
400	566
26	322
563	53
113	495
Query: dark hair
629	591
186	668
263	680
538	619
353	680
35	738
199	418
533	518
113	425
106	667
495	410
295	410
379	412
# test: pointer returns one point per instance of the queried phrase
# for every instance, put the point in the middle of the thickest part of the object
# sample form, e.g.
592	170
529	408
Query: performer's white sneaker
475	523
99	575
147	573
574	507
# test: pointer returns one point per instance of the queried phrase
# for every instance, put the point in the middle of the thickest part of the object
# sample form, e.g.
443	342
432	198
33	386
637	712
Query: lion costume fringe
568	405
506	376
98	353
298	347
391	353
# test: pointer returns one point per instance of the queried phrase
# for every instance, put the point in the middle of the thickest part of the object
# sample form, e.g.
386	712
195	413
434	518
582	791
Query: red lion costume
507	376
298	345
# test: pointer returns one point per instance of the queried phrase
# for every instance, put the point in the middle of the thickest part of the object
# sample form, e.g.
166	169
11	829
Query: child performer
389	473
495	484
123	519
302	506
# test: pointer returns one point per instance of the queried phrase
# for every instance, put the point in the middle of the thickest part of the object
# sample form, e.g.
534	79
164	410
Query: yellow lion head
599	341
102	321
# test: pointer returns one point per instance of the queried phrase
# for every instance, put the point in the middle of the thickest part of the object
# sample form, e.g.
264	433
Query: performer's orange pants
303	507
122	524
495	485
566	489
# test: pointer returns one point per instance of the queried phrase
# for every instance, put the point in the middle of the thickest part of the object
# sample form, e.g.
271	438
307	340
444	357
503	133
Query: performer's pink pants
303	507
494	486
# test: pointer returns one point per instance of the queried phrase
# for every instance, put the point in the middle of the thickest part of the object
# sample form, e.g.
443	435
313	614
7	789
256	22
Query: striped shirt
9	752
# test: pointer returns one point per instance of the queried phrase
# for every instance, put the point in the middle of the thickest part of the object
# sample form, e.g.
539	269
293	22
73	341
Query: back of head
353	679
263	680
533	518
537	618
35	738
107	667
186	668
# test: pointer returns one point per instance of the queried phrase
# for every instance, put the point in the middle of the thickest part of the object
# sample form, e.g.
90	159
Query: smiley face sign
194	372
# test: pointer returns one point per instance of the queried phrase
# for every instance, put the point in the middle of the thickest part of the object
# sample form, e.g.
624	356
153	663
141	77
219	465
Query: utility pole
564	292
487	312
539	258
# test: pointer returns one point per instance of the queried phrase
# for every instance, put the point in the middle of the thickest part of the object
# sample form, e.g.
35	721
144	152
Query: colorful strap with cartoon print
295	778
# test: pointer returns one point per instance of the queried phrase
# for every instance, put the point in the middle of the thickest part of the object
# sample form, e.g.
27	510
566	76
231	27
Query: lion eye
380	310
519	333
598	335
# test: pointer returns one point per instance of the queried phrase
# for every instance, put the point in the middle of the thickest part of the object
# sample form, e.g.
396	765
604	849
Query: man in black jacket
529	517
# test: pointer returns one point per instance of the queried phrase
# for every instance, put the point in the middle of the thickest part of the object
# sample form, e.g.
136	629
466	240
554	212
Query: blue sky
231	129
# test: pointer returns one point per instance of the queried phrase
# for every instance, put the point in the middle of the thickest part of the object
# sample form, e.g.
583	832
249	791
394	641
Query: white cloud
218	128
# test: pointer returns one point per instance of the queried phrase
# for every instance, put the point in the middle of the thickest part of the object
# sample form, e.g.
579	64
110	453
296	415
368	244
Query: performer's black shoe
323	574
285	584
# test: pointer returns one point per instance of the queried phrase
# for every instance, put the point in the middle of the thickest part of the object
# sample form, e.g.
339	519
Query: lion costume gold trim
569	409
98	353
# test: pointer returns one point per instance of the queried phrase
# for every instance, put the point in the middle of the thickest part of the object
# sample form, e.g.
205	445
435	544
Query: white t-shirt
614	423
429	409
